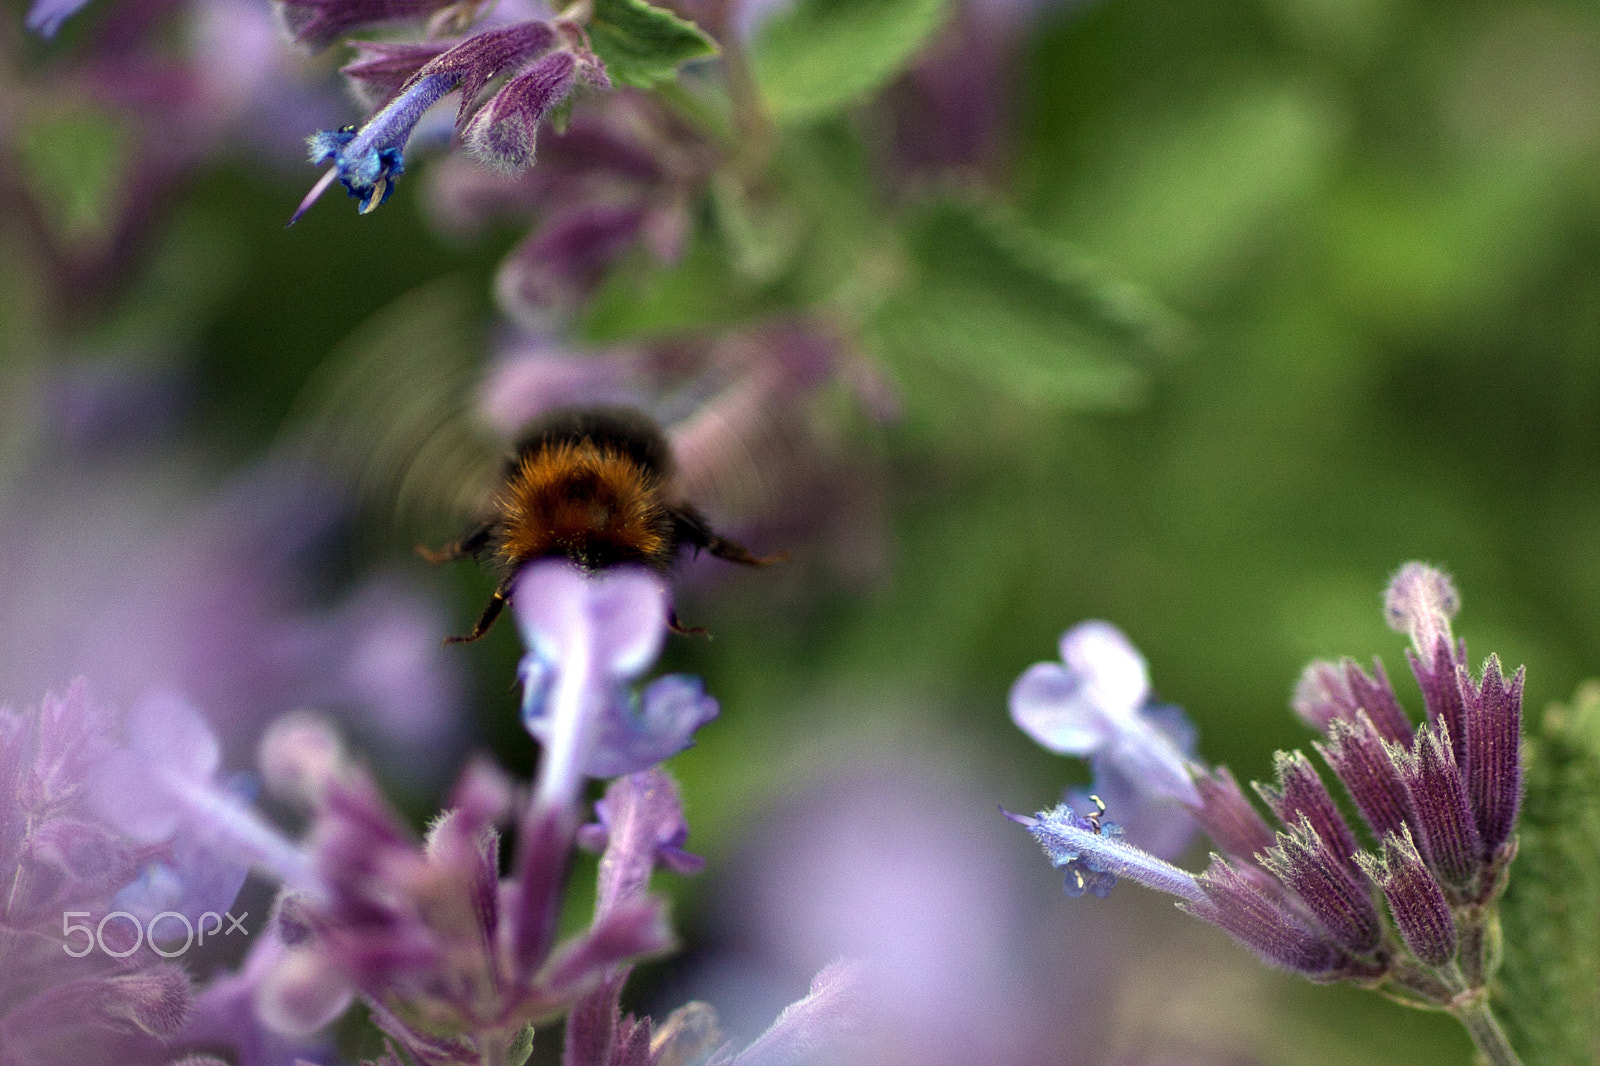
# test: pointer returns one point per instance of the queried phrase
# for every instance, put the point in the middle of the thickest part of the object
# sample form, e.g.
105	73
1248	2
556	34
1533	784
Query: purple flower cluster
455	960
105	872
1439	799
542	61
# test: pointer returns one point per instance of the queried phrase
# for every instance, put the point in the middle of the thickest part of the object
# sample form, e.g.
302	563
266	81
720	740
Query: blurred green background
1378	223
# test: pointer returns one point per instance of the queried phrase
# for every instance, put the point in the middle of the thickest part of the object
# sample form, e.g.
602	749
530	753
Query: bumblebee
593	485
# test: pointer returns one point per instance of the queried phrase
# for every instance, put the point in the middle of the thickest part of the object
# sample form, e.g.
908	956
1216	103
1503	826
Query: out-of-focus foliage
1551	922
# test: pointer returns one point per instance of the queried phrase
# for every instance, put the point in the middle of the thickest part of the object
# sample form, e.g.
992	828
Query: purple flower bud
1436	675
1235	903
1492	709
504	131
154	1001
1228	817
1324	881
1420	602
1302	795
1360	757
1421	912
1447	831
298	756
303	993
1327	692
626	933
483	56
317	22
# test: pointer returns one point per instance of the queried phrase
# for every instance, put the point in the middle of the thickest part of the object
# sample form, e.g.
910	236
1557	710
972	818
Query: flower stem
1484	1028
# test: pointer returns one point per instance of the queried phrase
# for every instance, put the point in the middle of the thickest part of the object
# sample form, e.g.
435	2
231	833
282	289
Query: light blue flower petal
1112	672
636	737
1051	705
629	612
1147	757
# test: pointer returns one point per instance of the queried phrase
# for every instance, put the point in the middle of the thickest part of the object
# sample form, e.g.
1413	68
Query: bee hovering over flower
593	485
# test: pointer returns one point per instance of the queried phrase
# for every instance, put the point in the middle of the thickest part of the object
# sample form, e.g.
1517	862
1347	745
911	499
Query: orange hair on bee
590	502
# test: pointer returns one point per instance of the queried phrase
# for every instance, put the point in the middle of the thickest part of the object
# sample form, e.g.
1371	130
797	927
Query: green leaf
1001	303
820	56
1549	983
642	45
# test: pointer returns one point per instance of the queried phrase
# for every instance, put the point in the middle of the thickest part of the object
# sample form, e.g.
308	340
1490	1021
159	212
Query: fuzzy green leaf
997	301
642	45
821	56
1549	983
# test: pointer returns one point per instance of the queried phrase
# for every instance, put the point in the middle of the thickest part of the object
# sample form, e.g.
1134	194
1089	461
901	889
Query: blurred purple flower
110	998
46	16
1095	704
145	573
317	23
893	865
163	781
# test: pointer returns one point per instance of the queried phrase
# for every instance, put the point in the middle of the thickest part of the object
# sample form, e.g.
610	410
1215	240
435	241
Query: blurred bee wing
391	413
731	453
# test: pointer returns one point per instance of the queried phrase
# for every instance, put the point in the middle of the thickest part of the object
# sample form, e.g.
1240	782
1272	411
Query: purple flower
429	935
1303	898
369	159
1095	703
1254	911
588	637
62	998
1328	693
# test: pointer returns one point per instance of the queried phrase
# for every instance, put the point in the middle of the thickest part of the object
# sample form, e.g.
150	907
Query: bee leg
689	526
678	627
497	603
465	548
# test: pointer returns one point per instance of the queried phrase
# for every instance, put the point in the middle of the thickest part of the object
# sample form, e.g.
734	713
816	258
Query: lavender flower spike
1094	857
1095	702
